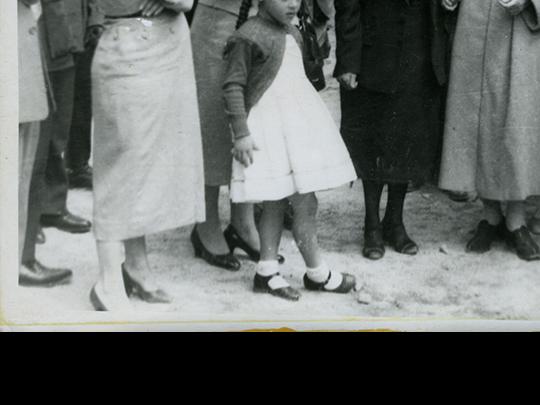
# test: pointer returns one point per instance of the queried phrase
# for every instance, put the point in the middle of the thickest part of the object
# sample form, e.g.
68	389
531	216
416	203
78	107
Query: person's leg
138	275
394	231
28	143
305	207
518	235
56	129
57	126
490	228
210	231
373	242
78	149
243	221
318	276
268	280
109	294
372	197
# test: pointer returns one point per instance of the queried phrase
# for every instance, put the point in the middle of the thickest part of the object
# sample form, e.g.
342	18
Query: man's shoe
37	275
81	177
66	222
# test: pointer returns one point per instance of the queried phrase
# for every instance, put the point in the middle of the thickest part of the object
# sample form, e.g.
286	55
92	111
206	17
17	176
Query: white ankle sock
267	269
321	275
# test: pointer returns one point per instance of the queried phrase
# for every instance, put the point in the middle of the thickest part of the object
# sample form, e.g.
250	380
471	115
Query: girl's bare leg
493	212
271	229
137	263
305	208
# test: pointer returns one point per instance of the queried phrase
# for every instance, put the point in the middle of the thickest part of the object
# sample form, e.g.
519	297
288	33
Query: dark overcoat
399	50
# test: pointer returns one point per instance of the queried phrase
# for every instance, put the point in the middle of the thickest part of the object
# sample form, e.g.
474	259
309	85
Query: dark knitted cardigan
254	55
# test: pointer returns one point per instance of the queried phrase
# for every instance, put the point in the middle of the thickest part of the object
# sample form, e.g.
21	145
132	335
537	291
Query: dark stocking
372	194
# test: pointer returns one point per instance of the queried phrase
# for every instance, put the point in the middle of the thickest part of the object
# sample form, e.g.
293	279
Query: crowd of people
175	99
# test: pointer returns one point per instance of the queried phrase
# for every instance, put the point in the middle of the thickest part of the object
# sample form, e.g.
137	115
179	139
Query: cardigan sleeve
532	15
349	36
239	55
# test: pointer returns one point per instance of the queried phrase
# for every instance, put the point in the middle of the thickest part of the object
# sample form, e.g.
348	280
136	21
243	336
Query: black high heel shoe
227	262
136	289
234	240
397	237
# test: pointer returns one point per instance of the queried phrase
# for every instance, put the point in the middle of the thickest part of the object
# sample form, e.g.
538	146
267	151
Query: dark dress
392	122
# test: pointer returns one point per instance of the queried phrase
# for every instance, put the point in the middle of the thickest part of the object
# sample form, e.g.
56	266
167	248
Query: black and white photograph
234	165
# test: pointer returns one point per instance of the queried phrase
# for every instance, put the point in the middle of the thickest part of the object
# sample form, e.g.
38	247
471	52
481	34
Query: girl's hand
450	5
514	7
349	80
152	8
243	150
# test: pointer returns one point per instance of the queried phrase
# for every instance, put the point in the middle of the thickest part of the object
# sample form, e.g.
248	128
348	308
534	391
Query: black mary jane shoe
261	285
396	236
234	240
523	243
136	289
373	244
227	262
346	286
484	237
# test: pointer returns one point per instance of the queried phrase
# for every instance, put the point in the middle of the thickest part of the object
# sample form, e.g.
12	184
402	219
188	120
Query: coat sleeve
349	36
95	15
532	15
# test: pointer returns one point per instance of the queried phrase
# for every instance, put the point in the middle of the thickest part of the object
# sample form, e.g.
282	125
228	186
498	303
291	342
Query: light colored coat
33	104
492	133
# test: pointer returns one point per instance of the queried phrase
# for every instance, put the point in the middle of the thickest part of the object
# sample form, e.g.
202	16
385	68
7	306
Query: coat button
32	31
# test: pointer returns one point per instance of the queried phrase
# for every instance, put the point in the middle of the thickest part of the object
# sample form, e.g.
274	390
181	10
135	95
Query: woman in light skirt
148	167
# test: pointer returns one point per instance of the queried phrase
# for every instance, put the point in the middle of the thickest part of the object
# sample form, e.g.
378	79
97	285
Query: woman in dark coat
391	63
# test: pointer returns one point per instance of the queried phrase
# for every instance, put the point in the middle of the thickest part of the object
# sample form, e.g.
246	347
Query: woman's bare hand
349	80
450	5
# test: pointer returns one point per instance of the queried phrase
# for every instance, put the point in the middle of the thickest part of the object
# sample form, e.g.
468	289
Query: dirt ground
442	282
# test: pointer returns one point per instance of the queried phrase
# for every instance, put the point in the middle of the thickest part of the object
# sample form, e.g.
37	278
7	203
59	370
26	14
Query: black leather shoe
396	236
523	243
534	226
234	240
373	244
346	286
227	262
81	178
484	237
261	285
136	289
37	275
66	222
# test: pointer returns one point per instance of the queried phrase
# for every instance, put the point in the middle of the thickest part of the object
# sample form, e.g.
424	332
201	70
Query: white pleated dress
301	149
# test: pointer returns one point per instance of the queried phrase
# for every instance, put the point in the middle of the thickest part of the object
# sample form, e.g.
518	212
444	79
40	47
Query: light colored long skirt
148	166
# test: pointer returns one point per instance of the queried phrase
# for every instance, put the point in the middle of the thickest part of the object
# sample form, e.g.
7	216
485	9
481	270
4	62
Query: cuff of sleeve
239	126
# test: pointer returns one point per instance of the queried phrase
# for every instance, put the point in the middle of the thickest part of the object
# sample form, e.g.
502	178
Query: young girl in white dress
286	144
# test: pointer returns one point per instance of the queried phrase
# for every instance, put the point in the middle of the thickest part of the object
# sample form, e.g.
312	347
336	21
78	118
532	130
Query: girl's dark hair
244	13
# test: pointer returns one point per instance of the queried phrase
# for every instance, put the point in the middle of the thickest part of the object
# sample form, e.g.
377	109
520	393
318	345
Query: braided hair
244	12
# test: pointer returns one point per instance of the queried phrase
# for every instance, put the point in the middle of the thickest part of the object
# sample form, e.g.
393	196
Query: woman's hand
180	6
152	8
450	5
243	150
349	80
514	7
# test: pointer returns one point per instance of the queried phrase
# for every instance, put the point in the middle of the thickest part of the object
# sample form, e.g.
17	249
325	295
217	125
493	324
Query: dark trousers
80	138
49	186
56	130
